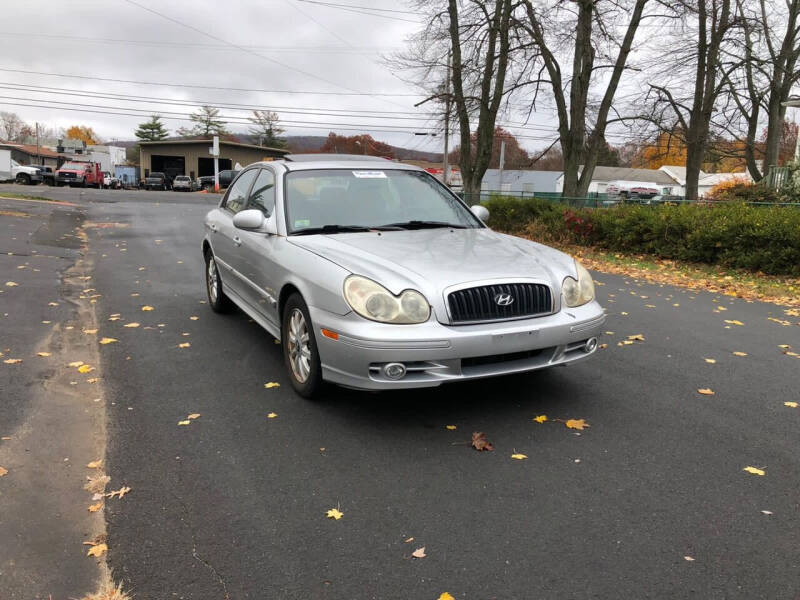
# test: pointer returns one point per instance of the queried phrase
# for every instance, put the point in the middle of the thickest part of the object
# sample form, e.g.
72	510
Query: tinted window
263	195
237	193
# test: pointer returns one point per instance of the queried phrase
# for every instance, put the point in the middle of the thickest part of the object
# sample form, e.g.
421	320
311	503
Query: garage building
192	157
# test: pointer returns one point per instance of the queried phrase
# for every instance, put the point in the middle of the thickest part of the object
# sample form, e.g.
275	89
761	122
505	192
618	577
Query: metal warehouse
192	157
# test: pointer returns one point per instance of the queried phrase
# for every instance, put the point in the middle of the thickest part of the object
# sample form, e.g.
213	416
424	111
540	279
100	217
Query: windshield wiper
343	229
425	225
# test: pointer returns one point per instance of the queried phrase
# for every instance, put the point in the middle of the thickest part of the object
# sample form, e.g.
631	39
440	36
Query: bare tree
11	125
590	27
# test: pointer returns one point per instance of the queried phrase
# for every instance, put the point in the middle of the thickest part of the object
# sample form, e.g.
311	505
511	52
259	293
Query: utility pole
446	159
38	150
502	162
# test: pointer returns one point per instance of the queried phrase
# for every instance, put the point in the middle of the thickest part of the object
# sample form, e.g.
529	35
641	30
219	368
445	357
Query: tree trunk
694	162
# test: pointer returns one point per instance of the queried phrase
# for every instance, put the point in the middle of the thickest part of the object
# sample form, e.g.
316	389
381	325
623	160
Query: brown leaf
576	424
95	464
479	441
419	553
95	507
97	550
706	391
3	472
119	493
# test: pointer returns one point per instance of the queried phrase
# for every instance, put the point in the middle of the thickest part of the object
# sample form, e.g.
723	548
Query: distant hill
309	144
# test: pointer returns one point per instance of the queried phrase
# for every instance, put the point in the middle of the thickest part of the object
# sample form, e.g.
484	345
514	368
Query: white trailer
5	165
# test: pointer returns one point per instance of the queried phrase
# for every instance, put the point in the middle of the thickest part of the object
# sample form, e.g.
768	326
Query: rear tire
217	299
300	354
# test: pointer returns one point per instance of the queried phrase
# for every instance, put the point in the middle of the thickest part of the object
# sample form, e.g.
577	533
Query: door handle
237	240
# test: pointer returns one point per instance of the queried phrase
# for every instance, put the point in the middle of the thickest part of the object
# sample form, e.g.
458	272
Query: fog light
394	370
590	345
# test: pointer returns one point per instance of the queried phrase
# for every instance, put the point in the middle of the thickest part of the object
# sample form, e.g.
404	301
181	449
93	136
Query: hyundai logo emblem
503	299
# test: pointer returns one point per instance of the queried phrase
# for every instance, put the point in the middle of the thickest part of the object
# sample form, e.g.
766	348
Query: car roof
304	162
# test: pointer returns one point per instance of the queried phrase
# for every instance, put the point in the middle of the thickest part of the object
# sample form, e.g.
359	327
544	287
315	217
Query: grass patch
17	196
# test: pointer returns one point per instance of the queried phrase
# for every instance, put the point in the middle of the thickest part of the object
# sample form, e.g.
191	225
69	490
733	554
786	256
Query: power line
355	6
361	10
208	87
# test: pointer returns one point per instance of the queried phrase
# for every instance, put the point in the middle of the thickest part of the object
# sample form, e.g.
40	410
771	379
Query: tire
300	357
209	187
217	299
23	179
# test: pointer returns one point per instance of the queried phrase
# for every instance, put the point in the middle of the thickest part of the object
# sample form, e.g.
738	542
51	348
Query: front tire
300	354
217	299
23	179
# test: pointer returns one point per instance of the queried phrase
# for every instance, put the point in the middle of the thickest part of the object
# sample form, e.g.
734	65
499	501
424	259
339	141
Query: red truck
79	173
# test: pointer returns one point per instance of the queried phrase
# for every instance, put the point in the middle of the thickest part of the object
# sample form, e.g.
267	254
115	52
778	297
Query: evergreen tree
265	128
152	130
206	123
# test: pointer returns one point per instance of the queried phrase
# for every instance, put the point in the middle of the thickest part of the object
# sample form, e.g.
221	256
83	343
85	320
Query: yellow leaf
193	416
184	422
784	346
790	404
184	345
705	392
734	322
85	369
272	384
11	284
147	308
688	558
419	553
45	354
540	418
721	308
710	360
95	464
272	415
96	507
92	380
519	456
623	313
754	471
52	304
76	363
97	550
334	514
740	353
446	596
194	318
113	318
131	325
107	340
90	331
12	361
576	424
636	338
451	427
3	472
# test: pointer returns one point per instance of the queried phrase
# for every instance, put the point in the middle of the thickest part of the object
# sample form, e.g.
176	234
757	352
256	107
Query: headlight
578	293
373	301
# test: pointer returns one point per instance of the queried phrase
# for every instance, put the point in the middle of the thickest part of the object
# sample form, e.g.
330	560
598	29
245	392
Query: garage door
205	166
171	165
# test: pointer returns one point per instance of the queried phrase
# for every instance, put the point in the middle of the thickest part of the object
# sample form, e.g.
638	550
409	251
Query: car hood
433	259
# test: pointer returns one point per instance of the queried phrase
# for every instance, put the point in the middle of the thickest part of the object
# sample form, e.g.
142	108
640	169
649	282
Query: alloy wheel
298	345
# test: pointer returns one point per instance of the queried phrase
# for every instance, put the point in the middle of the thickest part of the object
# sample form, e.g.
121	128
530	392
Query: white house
603	175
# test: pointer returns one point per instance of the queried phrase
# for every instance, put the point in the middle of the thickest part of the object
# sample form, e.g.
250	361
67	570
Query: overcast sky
284	45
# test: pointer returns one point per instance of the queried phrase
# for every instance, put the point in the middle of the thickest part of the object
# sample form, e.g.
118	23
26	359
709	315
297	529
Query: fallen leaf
451	427
272	415
131	325
95	464
710	360
272	384
419	553
479	441
193	416
108	340
334	514
446	596
184	345
766	512
119	493
636	338
411	539
147	308
576	424
45	354
519	456
92	380
52	304
95	507
97	550
194	318
3	472
96	484
76	363
705	392
85	369
90	331
689	558
11	284
754	471
540	418
784	346
12	361
733	322
790	404
187	422
740	353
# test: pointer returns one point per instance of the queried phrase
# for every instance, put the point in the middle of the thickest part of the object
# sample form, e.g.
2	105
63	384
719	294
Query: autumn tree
152	130
11	125
207	122
667	148
82	132
356	144
266	129
516	157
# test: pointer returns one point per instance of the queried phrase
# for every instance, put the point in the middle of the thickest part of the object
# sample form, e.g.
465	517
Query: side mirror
248	219
480	211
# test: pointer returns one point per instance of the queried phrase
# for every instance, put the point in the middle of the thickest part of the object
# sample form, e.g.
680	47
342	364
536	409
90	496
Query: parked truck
79	174
632	190
11	170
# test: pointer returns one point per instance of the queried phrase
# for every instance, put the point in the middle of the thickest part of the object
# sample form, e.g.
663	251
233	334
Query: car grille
67	175
478	304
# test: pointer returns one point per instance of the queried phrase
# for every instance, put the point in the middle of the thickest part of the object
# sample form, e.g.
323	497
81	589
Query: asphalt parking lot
651	500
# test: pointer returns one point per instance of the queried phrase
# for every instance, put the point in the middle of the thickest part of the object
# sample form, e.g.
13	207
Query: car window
237	193
263	195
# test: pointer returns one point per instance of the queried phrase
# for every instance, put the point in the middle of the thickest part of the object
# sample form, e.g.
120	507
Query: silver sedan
373	275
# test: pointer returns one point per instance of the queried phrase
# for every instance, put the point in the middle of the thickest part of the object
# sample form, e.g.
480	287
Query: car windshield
74	166
370	198
181	178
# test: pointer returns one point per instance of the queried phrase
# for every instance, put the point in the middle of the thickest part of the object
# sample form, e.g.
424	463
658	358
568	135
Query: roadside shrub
739	190
512	215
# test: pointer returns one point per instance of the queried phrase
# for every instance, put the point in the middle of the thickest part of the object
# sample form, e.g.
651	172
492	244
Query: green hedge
757	238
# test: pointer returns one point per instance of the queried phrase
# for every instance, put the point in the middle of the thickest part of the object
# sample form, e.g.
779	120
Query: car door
258	250
226	239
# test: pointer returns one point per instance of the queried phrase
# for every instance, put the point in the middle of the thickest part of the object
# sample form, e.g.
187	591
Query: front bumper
66	179
434	353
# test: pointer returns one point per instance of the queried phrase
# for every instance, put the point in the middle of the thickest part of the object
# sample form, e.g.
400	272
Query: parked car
110	181
225	178
48	174
631	190
80	174
182	183
158	181
24	174
374	275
